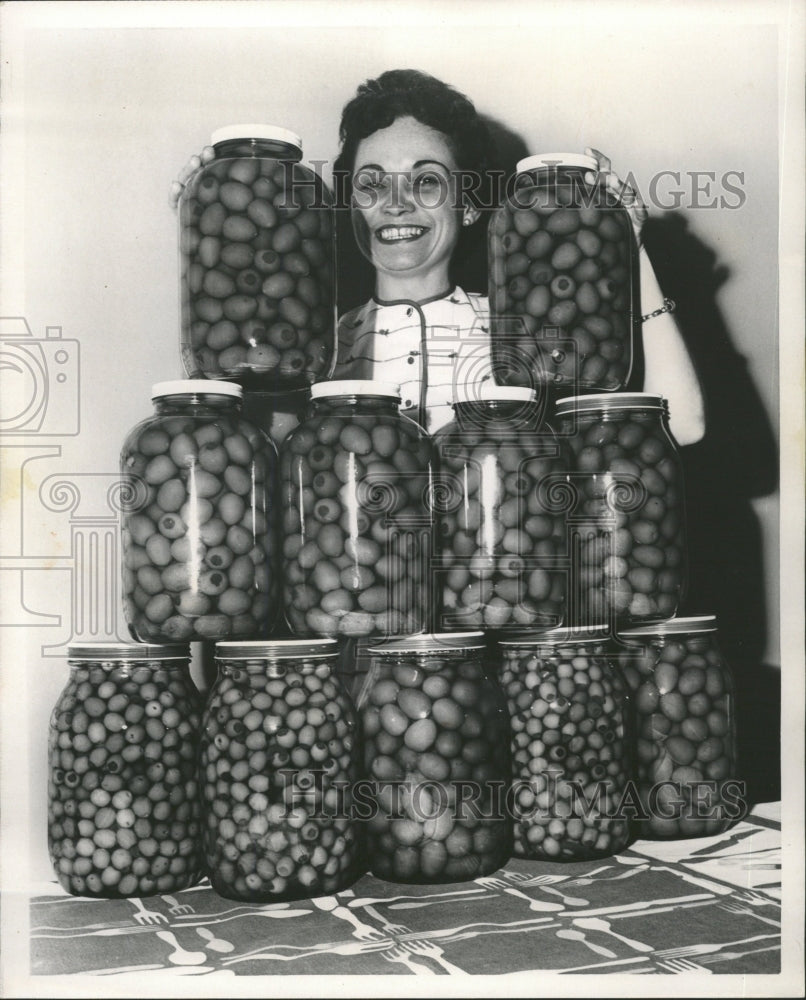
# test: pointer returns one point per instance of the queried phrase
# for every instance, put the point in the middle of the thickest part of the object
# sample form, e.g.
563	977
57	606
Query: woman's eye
431	189
368	182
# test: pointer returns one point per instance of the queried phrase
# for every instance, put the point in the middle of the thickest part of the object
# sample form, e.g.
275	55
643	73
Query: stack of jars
546	524
563	297
130	811
563	281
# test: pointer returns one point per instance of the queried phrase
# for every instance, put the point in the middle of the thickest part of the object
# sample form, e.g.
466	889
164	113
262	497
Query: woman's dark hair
400	93
408	92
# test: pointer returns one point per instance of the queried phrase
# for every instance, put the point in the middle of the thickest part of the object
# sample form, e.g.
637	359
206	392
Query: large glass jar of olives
571	746
356	480
199	550
627	508
685	725
257	264
278	764
123	816
436	755
563	278
501	540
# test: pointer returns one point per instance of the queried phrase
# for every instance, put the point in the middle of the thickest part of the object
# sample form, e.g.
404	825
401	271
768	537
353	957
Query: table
708	905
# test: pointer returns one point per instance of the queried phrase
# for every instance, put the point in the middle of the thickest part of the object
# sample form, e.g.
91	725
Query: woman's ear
470	215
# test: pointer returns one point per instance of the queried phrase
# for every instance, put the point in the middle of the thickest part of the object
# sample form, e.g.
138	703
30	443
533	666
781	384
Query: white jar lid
430	642
674	626
610	401
489	392
271	132
128	651
565	634
257	649
354	387
537	160
196	386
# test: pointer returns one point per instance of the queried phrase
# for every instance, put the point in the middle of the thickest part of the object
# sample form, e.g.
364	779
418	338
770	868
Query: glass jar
685	726
356	481
278	764
628	508
257	264
499	539
199	551
123	816
563	278
436	756
571	752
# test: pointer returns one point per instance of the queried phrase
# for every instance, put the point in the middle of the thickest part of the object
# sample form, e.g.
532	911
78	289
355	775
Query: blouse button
411	361
407	403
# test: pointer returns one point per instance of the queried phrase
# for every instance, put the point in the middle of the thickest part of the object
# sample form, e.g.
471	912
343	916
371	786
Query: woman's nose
397	196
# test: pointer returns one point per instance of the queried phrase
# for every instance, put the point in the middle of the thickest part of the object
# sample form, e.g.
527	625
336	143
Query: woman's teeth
391	233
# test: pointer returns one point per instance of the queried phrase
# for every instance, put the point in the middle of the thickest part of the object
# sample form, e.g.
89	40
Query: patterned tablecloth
709	905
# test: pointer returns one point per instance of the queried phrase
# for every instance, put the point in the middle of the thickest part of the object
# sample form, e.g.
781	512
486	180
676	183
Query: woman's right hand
189	169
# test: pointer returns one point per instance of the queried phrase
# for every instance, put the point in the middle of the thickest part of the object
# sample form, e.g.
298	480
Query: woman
413	154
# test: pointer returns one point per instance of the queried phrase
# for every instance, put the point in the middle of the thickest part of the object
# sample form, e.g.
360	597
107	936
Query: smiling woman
412	151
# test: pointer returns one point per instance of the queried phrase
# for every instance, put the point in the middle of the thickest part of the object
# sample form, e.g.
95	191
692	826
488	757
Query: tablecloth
707	905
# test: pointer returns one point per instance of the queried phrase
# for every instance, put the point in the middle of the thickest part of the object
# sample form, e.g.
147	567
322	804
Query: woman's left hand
625	193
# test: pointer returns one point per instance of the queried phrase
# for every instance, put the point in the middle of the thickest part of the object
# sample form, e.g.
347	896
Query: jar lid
674	626
538	160
488	392
431	642
196	386
276	649
126	651
354	387
581	633
271	132
610	401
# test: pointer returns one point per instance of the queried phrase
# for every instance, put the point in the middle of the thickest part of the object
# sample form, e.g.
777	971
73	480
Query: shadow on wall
736	461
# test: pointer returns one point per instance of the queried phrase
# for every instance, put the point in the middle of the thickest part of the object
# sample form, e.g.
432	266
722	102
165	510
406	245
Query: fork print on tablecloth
146	917
682	965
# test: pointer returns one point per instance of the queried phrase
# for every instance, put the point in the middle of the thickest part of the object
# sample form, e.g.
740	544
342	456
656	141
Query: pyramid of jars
547	516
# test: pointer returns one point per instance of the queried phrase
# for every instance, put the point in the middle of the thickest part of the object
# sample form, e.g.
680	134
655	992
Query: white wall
99	121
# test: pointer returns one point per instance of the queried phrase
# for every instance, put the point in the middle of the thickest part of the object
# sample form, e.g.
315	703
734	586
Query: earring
466	221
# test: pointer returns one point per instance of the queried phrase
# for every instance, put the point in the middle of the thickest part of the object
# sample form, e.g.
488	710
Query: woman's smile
394	234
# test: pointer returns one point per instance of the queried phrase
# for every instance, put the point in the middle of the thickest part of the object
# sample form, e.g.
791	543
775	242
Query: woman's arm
668	368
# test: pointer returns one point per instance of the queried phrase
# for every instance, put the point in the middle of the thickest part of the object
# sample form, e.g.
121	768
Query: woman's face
405	211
